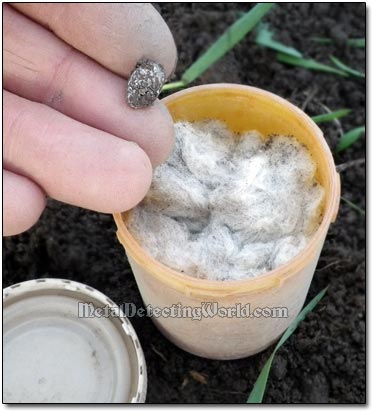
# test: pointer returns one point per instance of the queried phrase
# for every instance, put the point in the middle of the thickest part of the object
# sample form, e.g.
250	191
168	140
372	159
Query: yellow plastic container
243	108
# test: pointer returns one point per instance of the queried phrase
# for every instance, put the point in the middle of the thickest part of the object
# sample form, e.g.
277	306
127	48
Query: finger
41	67
117	35
23	203
71	161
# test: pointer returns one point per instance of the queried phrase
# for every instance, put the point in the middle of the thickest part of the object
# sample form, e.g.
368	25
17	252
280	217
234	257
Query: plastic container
60	346
243	108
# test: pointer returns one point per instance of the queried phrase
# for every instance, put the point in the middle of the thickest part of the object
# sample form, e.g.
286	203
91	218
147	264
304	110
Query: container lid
65	342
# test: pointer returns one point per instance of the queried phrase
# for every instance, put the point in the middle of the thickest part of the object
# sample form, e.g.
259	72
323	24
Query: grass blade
322	40
236	32
256	395
353	206
264	38
309	64
345	68
349	138
359	43
324	118
173	85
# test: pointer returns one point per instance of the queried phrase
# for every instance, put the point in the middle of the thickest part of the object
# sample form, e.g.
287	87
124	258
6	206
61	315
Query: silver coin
145	83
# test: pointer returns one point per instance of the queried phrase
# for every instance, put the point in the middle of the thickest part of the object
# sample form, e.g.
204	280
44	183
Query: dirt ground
324	361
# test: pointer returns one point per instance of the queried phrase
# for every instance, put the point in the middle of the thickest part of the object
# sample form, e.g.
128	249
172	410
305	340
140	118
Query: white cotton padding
227	206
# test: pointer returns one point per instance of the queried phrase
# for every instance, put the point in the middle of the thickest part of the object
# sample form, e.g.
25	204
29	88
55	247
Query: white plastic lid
52	355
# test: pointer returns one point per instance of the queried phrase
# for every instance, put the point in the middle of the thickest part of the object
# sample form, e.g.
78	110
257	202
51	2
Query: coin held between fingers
145	83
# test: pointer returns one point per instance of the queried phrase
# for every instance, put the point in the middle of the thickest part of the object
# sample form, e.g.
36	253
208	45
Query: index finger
117	35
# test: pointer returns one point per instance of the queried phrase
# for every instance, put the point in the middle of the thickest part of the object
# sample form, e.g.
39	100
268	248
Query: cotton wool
227	206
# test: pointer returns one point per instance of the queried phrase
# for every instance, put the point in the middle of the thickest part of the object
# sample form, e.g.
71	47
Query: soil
324	360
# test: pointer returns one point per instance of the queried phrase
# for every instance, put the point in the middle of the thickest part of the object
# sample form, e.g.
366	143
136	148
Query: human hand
68	130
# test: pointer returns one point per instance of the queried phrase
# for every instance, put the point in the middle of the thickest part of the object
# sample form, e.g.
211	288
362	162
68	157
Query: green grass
359	43
349	138
324	118
235	33
345	68
353	206
264	38
256	395
309	64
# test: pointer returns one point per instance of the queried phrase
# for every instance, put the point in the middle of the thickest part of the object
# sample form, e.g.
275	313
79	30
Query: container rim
196	286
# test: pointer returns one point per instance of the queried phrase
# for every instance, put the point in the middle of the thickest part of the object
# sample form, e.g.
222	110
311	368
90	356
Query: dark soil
324	361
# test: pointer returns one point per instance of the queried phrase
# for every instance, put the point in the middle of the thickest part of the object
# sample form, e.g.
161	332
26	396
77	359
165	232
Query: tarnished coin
145	83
